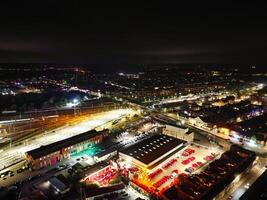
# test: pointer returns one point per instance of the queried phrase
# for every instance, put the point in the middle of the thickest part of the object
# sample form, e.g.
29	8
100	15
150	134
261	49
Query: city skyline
133	102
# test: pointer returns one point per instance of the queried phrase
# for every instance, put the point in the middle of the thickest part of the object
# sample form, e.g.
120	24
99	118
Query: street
242	183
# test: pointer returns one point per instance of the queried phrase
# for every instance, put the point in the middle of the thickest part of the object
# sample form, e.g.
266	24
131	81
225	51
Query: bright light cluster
10	156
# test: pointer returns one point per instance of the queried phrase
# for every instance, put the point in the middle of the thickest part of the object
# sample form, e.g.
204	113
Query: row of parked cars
188	160
7	173
10	173
153	174
218	174
194	167
188	152
161	181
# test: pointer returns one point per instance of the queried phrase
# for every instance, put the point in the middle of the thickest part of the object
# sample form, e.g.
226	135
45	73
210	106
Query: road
238	186
252	146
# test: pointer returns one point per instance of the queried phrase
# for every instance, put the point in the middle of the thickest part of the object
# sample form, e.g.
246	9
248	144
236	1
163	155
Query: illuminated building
178	132
51	154
149	152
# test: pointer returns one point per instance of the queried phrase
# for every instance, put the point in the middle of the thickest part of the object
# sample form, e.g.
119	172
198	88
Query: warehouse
179	132
152	150
52	153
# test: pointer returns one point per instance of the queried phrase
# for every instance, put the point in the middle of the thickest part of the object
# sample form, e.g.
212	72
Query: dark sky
133	34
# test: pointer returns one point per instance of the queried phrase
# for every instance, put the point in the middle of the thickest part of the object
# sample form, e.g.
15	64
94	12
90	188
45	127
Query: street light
74	103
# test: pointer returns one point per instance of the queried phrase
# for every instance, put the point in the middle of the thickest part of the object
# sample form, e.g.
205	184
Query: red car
133	170
161	181
188	152
191	158
195	165
188	160
153	174
185	162
169	163
185	153
208	158
199	163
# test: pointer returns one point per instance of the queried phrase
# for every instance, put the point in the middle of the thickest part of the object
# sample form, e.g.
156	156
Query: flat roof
105	152
53	147
60	182
176	126
152	148
103	190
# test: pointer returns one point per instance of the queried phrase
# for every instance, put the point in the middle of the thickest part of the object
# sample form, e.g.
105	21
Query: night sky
133	34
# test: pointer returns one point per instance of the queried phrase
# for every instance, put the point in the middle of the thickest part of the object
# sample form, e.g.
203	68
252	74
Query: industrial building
55	152
181	133
147	153
106	154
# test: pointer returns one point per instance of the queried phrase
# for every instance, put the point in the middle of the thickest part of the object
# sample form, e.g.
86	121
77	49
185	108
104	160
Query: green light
90	151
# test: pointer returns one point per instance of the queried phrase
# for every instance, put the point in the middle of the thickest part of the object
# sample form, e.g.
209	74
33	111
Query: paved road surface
238	186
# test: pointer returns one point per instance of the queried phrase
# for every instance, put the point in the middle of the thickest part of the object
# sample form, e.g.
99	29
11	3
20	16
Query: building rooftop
60	183
105	152
103	190
152	148
53	147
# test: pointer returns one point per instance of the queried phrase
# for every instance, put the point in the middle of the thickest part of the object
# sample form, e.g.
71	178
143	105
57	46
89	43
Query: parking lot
191	159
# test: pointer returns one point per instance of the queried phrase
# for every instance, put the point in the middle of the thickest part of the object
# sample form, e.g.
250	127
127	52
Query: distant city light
75	102
252	143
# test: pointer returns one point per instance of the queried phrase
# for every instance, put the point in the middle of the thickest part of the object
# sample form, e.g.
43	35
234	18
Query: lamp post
75	102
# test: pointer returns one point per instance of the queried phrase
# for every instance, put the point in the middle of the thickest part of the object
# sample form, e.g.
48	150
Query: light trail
15	120
17	153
